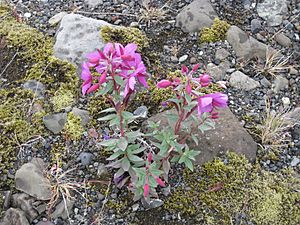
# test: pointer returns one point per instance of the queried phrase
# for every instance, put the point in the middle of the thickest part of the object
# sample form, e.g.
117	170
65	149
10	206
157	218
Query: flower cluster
114	60
191	85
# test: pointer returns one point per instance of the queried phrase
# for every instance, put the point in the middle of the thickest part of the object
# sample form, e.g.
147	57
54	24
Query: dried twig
5	68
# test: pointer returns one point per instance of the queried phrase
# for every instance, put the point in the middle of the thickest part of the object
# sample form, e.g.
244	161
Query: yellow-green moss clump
124	35
220	192
73	128
62	99
217	32
17	125
95	105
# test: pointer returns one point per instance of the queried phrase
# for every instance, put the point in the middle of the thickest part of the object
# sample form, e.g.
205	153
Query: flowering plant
145	163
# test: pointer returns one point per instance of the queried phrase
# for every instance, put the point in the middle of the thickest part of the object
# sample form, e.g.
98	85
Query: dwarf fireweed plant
143	160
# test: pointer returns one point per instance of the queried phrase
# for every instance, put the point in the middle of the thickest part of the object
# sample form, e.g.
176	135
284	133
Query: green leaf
115	121
175	158
166	166
189	164
115	155
119	80
195	139
109	142
182	158
119	173
122	143
134	134
139	150
105	90
127	115
188	98
108	110
152	181
108	117
134	158
125	164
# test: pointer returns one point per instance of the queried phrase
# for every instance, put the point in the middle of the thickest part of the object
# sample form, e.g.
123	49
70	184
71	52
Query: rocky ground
259	89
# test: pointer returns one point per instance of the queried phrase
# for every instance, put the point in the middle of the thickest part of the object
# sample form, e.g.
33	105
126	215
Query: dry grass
149	14
274	128
275	63
63	186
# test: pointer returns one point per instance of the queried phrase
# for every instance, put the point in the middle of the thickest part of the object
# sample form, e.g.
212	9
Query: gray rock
102	170
77	36
83	114
294	114
195	16
272	11
265	82
35	86
25	202
14	217
241	81
141	111
215	71
63	209
283	40
57	18
45	223
221	54
30	179
135	207
228	135
255	26
183	58
244	46
85	158
134	24
295	161
93	3
280	83
55	122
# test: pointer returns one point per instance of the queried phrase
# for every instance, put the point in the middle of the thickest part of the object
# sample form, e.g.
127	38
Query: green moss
73	129
62	99
220	192
95	105
217	32
125	35
17	124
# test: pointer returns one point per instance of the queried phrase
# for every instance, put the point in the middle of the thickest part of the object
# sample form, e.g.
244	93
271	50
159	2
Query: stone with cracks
241	81
245	47
196	16
77	36
228	135
30	179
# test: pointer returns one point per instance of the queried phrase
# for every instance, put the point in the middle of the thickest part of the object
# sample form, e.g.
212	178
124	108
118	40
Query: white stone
242	81
183	58
57	18
286	101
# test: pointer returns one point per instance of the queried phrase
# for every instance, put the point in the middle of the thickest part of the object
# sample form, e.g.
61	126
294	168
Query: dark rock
283	40
24	201
255	26
228	135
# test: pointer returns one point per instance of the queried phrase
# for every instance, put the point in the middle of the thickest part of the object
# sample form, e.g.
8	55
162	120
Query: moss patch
62	99
217	32
73	129
125	35
17	124
221	193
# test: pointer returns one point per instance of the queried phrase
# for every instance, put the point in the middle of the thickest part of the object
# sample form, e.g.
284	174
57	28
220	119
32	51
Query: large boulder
272	11
245	47
30	179
78	35
195	16
228	135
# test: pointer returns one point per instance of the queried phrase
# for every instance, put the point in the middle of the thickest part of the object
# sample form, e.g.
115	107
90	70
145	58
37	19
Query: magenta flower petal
160	182
196	67
85	86
164	84
204	104
93	88
188	88
142	80
184	69
93	57
102	78
146	190
130	48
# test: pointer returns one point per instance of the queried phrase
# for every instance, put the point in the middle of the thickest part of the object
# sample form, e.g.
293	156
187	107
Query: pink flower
129	87
146	190
204	80
87	78
164	84
160	182
207	103
150	157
